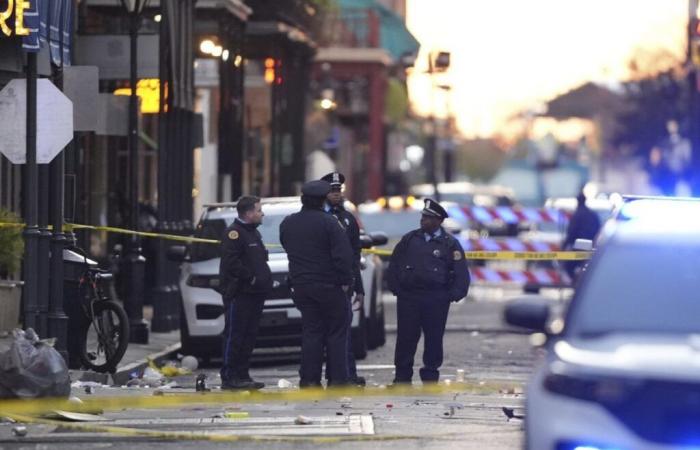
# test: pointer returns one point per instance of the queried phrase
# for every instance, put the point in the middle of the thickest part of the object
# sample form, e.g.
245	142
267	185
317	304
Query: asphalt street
496	362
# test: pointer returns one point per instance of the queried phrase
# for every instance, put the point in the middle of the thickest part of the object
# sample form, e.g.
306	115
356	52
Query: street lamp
133	266
438	62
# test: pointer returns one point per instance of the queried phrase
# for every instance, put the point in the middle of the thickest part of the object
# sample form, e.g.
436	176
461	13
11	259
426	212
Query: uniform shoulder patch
233	234
457	255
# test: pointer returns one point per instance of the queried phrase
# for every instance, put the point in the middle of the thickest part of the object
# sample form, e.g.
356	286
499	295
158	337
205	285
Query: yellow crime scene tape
473	255
29	411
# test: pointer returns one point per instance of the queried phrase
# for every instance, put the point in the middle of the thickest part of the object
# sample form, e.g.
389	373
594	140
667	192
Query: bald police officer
334	205
427	272
321	273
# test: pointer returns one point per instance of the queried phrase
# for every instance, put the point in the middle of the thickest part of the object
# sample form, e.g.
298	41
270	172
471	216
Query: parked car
202	319
622	363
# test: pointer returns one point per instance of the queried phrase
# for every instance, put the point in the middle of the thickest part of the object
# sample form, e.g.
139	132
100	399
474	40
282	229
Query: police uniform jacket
318	249
352	229
584	224
243	268
436	267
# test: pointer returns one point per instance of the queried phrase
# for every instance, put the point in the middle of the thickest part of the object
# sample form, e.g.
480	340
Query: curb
121	376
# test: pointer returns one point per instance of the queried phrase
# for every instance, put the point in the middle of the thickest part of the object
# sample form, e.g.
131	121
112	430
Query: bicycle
103	329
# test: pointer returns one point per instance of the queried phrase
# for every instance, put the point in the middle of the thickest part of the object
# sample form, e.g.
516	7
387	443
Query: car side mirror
583	245
530	311
177	253
379	238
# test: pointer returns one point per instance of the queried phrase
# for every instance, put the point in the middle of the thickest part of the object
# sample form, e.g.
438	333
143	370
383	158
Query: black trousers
416	313
242	318
352	365
324	318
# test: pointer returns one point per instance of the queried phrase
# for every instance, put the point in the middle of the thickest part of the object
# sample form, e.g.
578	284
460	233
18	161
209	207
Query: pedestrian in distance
427	271
321	274
334	206
584	224
244	282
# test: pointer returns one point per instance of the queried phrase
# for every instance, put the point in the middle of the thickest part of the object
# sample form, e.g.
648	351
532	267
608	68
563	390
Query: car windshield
640	288
214	229
393	223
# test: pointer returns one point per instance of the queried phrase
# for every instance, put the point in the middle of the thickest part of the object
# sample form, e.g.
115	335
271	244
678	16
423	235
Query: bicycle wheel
105	337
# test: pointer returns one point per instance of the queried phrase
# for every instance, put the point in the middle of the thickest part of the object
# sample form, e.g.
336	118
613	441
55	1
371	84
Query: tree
656	93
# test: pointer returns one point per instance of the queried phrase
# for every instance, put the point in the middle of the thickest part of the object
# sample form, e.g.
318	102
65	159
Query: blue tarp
393	34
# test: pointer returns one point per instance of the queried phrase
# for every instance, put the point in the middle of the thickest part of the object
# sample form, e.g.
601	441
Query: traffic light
273	71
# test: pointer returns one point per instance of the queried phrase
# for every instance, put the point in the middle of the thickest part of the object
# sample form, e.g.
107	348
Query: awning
393	35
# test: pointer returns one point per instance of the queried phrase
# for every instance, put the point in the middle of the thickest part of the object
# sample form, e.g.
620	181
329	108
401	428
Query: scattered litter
510	352
460	376
84	384
389	406
448	382
284	384
32	368
303	420
190	363
74	417
339	413
75	400
474	333
510	413
451	409
382	386
19	431
168	370
200	383
236	414
346	402
89	390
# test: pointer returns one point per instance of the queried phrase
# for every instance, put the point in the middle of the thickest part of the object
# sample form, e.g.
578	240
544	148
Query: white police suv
202	319
622	370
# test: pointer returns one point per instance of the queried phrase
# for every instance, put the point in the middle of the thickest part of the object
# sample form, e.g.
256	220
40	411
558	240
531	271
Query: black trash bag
31	368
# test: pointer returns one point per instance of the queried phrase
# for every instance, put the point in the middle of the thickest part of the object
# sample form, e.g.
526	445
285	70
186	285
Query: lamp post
133	266
438	62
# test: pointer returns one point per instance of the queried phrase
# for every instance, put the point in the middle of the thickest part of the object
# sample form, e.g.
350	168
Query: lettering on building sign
18	7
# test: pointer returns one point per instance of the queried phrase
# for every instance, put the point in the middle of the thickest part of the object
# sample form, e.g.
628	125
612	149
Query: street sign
54	121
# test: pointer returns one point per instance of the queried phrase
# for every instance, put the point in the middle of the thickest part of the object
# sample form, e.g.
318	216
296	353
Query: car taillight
203	281
604	390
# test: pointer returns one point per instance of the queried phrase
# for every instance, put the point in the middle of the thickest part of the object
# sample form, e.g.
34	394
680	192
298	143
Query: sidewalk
160	346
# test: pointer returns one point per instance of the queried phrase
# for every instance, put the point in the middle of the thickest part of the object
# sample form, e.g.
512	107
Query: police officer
334	205
321	273
245	280
584	224
426	272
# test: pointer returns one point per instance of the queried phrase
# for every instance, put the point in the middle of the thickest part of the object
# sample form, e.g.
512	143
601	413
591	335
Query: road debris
303	420
19	431
190	363
451	409
511	414
200	383
284	384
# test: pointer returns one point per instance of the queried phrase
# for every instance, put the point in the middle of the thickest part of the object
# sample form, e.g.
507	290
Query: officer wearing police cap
321	273
334	205
427	272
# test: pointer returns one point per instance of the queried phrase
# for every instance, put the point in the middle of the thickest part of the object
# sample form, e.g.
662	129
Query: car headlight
604	390
203	281
570	445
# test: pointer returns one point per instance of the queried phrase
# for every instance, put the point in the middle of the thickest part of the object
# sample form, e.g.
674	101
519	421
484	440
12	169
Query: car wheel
359	337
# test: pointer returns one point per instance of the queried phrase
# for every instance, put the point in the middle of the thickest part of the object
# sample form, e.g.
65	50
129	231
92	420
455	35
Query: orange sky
508	55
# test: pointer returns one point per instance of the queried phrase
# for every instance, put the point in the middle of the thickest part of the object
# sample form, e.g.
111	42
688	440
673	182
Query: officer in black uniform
427	272
244	281
334	205
321	273
584	224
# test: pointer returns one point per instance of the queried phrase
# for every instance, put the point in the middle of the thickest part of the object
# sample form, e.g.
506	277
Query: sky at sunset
510	55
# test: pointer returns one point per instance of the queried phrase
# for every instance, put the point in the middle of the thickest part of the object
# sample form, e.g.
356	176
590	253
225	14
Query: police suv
202	313
622	369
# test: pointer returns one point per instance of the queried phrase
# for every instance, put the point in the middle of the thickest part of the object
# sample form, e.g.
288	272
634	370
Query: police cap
336	179
316	188
433	208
